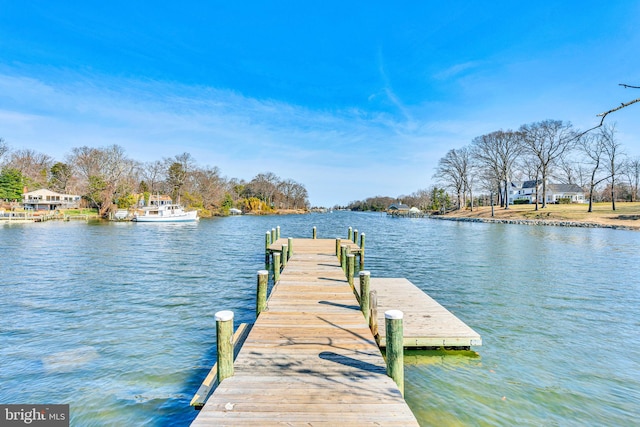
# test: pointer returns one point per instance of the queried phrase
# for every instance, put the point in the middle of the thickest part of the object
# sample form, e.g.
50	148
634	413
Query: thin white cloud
457	69
240	135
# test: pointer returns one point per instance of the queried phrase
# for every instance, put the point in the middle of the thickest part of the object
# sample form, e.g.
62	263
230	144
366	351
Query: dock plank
309	359
426	323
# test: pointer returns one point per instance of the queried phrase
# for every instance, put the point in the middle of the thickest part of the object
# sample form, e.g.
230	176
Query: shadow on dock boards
350	307
351	362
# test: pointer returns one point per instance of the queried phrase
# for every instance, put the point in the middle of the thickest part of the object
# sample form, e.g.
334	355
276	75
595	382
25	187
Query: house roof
531	183
399	207
565	188
45	192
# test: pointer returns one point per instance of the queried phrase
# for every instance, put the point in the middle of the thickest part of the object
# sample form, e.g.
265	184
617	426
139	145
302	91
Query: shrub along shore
626	216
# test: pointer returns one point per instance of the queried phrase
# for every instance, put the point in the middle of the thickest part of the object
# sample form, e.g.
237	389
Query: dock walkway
310	358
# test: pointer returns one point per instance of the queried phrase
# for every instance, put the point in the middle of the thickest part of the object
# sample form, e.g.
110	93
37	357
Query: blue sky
352	99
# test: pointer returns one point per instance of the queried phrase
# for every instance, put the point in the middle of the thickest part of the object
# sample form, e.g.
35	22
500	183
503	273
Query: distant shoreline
536	222
625	217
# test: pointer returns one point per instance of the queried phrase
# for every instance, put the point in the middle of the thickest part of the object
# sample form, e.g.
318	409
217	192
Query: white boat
165	213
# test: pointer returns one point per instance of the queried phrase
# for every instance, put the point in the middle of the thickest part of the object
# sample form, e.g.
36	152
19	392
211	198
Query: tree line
545	151
108	179
542	152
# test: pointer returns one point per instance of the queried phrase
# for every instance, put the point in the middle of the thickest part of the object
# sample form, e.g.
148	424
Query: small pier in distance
311	358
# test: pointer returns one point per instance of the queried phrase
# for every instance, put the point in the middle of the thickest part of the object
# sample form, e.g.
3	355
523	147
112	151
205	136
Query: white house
154	200
557	192
526	191
47	200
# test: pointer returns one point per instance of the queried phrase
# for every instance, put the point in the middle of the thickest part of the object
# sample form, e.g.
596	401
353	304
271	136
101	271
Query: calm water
116	319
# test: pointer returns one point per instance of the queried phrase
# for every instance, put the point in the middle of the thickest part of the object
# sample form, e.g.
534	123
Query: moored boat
165	213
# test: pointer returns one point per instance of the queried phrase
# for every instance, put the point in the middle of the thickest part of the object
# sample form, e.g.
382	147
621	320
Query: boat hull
167	216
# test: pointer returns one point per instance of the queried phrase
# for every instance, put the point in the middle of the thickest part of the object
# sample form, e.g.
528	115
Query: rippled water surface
116	319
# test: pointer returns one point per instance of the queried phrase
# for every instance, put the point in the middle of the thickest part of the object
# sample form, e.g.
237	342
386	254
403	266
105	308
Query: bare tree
208	185
548	141
620	107
34	166
452	172
86	160
632	172
497	153
592	146
567	171
4	149
108	174
299	196
153	174
613	150
530	166
264	186
422	198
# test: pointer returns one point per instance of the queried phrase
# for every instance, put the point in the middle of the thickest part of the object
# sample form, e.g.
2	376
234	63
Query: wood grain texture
310	358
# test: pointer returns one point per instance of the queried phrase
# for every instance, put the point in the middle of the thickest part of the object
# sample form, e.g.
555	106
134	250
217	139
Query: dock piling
315	233
395	347
273	235
224	340
350	233
267	243
362	251
338	243
261	297
351	267
343	257
284	256
277	232
276	267
365	280
355	236
373	316
290	248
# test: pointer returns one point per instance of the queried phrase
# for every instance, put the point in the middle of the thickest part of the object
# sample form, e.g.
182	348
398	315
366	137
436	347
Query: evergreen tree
11	184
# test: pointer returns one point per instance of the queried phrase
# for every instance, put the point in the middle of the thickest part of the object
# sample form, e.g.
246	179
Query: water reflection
119	316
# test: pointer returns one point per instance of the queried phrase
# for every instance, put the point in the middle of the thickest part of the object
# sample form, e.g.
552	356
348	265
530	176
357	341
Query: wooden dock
427	324
310	358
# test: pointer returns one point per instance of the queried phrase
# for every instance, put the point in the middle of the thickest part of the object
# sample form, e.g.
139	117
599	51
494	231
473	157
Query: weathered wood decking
426	323
309	359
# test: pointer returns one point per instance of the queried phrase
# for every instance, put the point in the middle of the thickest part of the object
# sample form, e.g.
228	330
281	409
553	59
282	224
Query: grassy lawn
79	211
626	213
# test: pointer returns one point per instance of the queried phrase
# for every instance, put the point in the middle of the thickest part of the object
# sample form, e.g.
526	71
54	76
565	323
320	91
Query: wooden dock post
350	234
338	242
343	257
395	347
373	316
315	232
261	296
290	248
351	267
277	232
267	243
362	251
365	280
285	252
276	267
224	340
273	235
355	236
